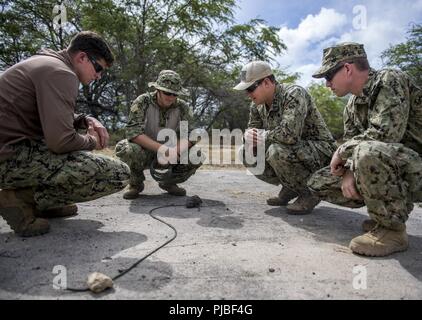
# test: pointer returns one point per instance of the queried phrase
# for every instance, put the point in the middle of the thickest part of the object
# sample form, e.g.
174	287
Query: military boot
304	204
17	208
368	225
173	189
284	196
59	212
380	242
133	191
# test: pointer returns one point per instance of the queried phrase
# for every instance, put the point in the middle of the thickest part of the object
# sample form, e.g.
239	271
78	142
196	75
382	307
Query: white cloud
304	43
376	38
386	26
311	30
417	5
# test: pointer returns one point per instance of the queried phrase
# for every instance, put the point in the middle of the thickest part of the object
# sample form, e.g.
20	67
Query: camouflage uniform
146	117
61	179
297	142
383	147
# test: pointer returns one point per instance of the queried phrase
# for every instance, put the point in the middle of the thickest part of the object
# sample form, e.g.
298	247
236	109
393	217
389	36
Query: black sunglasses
253	87
330	75
169	94
97	67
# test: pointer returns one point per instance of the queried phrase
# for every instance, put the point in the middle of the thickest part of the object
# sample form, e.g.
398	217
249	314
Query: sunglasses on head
97	67
253	87
169	94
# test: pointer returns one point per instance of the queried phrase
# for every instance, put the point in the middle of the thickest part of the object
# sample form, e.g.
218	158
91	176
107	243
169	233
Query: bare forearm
146	142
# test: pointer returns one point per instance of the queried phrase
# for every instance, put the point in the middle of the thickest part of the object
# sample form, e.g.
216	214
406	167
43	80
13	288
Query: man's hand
93	133
348	186
253	136
100	130
337	165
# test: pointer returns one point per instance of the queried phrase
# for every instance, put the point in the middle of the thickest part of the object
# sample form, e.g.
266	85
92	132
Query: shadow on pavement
26	264
211	214
339	226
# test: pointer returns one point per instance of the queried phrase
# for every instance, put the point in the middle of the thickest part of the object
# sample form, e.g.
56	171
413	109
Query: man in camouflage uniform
379	165
151	112
45	166
297	141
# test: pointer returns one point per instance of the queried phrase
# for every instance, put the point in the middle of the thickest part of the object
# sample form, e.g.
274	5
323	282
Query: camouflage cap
253	71
169	81
341	52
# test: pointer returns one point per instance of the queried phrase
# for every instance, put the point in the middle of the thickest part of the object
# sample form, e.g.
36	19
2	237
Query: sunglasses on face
330	75
253	87
97	67
169	94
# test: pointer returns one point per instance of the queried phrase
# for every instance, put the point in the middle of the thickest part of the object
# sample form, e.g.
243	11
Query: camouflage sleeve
255	120
292	121
387	121
350	129
136	122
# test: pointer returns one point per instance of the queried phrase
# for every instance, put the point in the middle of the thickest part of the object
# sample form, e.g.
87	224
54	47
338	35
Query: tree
196	38
408	55
330	107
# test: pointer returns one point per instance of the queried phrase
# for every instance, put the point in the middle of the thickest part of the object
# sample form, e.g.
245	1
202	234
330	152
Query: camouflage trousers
292	165
388	177
138	160
62	179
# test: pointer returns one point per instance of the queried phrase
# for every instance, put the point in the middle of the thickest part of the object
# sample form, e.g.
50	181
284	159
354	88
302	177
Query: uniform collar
278	97
369	83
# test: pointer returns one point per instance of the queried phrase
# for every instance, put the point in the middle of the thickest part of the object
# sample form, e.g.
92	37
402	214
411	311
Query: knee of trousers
121	169
366	157
277	153
86	168
321	180
115	171
128	151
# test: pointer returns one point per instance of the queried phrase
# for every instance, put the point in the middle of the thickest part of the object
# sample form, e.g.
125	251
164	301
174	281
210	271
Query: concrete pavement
234	247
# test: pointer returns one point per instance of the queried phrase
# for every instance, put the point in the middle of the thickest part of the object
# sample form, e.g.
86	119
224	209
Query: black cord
146	256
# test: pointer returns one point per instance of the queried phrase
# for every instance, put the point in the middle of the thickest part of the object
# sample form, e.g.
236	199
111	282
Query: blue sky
306	27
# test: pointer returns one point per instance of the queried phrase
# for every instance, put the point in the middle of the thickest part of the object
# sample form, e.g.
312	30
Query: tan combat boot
284	196
133	191
380	242
304	204
173	189
17	208
59	212
368	225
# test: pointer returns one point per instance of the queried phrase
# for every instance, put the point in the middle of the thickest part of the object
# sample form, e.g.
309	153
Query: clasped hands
253	137
348	182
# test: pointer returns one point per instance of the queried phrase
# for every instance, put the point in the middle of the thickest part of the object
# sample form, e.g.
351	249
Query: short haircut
271	78
93	45
362	64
